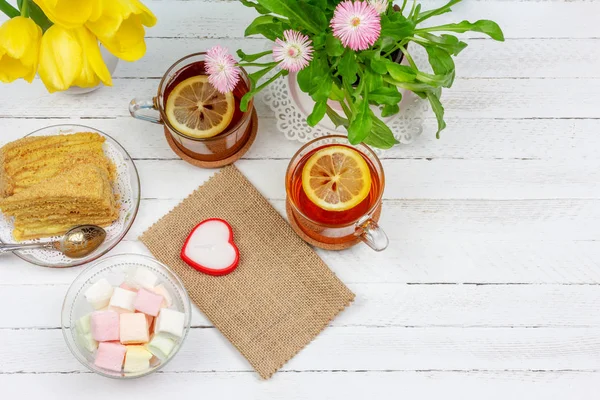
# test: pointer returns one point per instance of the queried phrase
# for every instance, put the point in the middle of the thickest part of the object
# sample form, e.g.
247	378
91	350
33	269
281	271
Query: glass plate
127	186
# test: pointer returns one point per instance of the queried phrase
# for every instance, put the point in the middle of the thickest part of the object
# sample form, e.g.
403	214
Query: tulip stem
8	9
25	9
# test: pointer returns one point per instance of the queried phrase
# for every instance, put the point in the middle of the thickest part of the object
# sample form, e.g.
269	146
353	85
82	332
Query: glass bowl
127	185
115	270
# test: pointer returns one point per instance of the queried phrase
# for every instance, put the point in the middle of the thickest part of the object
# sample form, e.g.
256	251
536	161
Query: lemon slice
197	109
336	178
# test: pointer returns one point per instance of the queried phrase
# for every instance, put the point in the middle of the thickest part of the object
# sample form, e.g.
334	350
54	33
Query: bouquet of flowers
350	52
59	40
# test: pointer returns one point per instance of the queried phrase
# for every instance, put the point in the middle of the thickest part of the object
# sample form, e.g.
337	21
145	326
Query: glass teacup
342	228
215	148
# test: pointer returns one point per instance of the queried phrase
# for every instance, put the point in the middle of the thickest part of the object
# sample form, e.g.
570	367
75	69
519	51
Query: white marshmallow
161	346
162	290
123	299
142	278
170	322
83	326
99	294
87	342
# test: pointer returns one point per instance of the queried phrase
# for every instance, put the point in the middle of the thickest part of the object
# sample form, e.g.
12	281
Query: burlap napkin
281	295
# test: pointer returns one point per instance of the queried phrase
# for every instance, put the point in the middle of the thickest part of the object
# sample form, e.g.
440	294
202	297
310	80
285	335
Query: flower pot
111	62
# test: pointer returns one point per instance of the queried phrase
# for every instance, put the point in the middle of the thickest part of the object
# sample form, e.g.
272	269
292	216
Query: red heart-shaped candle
210	248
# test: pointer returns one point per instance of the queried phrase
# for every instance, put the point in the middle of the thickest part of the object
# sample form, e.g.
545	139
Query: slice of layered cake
29	161
80	195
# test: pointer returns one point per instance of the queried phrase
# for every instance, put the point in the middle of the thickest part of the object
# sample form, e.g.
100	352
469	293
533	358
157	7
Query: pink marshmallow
127	287
105	326
148	302
110	356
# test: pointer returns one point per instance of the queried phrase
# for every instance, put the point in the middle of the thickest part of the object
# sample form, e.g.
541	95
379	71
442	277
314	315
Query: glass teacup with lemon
334	192
205	124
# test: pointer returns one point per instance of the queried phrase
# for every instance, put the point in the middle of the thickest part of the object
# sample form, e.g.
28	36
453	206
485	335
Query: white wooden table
490	286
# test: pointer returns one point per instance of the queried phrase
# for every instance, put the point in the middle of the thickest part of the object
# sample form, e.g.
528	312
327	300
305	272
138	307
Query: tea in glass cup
204	123
334	190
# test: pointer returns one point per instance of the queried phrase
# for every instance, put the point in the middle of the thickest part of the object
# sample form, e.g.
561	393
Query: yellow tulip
70	13
120	27
71	57
19	46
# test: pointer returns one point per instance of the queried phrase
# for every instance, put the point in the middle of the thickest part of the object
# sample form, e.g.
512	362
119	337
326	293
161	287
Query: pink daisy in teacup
222	69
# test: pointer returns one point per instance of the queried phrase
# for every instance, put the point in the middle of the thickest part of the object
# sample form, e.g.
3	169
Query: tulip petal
128	42
68	13
93	62
61	59
19	47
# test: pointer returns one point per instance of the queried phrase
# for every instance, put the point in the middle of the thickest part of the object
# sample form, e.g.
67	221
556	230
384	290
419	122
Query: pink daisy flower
380	5
295	52
223	73
357	24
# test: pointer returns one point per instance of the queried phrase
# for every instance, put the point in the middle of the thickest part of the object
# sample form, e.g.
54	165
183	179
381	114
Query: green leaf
318	41
336	93
450	43
389	110
400	73
318	113
260	9
255	76
438	109
304	14
361	124
438	11
374	81
333	46
335	118
36	14
252	57
381	135
385	95
396	26
265	25
436	80
321	88
378	65
348	67
488	27
322	4
441	62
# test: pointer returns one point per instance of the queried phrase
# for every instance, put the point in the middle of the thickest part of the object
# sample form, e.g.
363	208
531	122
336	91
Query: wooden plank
468	260
383	305
452	241
544	19
523	58
468	98
343	385
540	139
412	179
349	348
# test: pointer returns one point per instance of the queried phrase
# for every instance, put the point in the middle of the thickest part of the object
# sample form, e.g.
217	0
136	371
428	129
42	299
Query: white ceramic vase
305	104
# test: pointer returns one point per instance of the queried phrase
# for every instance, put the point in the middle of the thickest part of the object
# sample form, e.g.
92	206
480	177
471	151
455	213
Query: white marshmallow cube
123	299
162	290
142	278
170	322
83	326
99	294
161	346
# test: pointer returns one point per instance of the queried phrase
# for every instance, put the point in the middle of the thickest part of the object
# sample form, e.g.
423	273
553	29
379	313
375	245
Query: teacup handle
137	105
370	233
